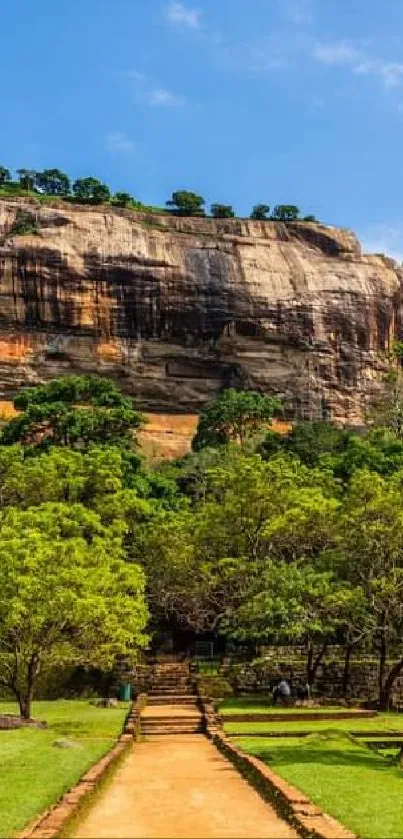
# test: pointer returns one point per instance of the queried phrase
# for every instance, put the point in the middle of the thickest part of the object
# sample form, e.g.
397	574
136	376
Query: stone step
178	691
182	686
167	729
171	699
192	719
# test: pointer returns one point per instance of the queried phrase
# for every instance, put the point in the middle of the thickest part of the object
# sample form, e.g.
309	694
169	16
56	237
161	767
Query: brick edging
289	801
51	821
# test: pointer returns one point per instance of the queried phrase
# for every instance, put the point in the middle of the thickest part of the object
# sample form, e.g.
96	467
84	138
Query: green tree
386	409
372	555
310	218
122	199
27	178
185	203
53	182
5	175
222	211
66	595
73	411
260	212
91	191
235	415
60	474
294	602
285	212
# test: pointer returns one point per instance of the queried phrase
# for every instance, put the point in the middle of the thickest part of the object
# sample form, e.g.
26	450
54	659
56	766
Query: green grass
34	773
354	784
382	722
258	704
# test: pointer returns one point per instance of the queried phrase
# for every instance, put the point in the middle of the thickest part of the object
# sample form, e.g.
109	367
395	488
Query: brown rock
175	309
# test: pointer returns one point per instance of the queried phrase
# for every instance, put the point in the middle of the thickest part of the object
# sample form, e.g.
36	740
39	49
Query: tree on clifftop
235	415
5	175
222	211
27	178
53	182
260	212
91	191
184	203
122	199
73	411
285	212
67	595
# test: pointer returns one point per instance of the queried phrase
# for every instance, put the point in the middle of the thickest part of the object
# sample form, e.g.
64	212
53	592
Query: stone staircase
171	702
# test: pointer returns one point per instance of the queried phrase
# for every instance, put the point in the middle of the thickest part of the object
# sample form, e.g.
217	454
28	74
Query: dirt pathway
180	787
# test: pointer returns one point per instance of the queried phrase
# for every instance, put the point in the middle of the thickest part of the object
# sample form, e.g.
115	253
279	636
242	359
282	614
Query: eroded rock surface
175	309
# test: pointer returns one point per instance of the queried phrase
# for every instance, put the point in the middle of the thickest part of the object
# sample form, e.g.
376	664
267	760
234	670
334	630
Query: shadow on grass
325	751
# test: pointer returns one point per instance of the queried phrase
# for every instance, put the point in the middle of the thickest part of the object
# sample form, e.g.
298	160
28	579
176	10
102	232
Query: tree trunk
25	703
309	663
346	671
383	652
25	696
384	698
313	663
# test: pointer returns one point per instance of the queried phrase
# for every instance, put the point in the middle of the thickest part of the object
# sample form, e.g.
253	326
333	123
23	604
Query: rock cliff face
175	309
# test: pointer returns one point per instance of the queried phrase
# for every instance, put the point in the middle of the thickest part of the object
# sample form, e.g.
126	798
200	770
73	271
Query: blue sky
244	101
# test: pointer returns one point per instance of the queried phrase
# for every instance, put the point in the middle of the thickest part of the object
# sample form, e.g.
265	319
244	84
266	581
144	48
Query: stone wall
259	677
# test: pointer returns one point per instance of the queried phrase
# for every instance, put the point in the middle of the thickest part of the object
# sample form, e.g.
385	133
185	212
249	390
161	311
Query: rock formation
175	309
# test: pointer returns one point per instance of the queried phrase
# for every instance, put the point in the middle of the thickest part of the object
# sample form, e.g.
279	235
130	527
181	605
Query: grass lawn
34	772
387	722
347	780
262	705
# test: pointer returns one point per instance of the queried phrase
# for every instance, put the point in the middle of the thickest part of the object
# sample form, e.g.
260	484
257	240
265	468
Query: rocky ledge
175	309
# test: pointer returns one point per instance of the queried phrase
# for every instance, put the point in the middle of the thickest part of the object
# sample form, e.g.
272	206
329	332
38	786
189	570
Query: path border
290	802
50	823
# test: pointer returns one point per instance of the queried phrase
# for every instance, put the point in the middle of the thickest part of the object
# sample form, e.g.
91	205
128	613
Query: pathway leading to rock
181	787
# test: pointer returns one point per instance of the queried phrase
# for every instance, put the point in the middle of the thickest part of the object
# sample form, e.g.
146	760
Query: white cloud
164	98
391	74
386	239
117	142
346	53
179	14
341	52
299	12
145	89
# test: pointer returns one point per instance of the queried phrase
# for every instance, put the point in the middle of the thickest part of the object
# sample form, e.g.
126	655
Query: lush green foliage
66	594
260	212
90	191
5	174
52	183
185	203
34	773
74	411
234	416
285	212
257	536
222	211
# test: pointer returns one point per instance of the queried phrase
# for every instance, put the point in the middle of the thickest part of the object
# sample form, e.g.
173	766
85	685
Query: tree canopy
91	191
185	203
257	536
260	212
222	211
53	182
74	411
234	415
66	594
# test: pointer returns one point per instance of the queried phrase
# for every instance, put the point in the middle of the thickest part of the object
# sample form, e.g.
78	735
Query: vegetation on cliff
52	183
271	538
